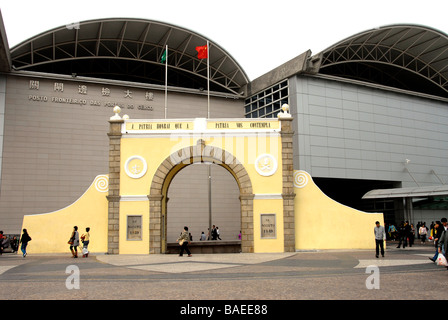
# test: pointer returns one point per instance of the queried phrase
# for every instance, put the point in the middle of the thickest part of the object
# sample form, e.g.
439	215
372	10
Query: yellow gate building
146	155
282	210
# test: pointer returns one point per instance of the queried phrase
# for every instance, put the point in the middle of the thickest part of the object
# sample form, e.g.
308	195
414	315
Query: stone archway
173	164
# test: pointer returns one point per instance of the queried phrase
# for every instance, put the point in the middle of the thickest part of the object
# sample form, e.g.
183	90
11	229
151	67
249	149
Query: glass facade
267	104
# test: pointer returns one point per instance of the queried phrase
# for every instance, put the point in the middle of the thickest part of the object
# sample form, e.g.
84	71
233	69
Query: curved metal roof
409	57
130	49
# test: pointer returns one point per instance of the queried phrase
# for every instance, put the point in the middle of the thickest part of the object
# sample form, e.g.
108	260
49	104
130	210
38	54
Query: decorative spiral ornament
300	179
102	183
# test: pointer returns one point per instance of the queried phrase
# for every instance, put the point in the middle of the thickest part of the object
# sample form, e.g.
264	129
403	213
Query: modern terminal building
370	117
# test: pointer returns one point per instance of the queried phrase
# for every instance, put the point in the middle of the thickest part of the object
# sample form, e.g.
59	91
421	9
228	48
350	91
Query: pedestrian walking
423	232
402	235
74	242
85	238
24	239
438	230
217	234
214	234
183	241
443	240
380	236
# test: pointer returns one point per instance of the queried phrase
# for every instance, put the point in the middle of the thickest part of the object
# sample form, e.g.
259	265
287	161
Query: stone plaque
268	226
134	228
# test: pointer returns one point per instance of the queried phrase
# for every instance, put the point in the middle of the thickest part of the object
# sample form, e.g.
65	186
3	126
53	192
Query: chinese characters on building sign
82	89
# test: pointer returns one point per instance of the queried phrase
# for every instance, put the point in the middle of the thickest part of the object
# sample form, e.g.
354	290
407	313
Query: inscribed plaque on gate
134	231
268	226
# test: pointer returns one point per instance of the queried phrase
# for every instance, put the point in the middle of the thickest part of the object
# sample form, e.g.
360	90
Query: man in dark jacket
402	235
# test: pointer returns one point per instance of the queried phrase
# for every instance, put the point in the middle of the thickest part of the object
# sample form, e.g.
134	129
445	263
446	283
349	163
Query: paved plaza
315	275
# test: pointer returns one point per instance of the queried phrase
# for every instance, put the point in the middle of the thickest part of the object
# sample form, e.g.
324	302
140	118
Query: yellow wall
246	148
51	231
263	245
156	150
134	208
322	223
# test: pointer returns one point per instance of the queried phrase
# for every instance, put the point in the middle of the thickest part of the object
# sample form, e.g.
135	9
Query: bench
204	247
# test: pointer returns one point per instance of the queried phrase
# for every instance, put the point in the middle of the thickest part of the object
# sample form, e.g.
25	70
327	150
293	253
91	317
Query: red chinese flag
202	52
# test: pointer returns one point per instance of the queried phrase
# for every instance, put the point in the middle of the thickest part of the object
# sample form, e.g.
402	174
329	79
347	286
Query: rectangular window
267	104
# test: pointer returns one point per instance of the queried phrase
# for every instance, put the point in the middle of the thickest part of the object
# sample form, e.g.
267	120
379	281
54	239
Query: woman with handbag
24	239
74	242
183	240
443	242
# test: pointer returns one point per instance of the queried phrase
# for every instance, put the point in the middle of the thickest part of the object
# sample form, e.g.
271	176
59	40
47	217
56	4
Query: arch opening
167	171
200	196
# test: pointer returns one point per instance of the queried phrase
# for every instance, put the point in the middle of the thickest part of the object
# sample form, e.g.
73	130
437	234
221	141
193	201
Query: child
85	238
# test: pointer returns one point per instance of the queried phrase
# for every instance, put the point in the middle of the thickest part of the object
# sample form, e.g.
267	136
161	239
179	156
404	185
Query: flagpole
166	80
209	165
208	80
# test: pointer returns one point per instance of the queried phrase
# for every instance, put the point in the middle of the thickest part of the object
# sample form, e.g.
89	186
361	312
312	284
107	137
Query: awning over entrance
429	197
428	191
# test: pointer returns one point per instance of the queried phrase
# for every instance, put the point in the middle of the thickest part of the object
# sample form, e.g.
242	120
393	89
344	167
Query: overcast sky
259	34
